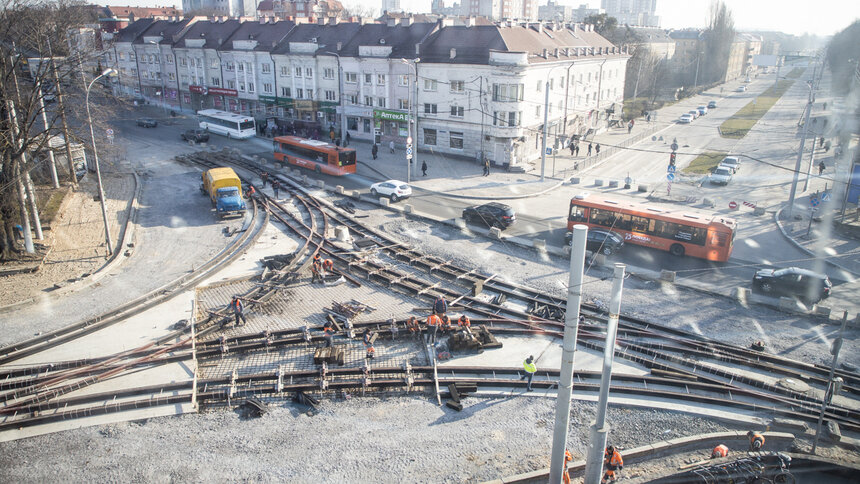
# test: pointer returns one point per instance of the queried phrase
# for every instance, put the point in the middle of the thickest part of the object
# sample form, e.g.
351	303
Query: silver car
721	176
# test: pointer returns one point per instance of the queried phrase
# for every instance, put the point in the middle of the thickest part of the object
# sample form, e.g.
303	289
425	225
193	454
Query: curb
776	218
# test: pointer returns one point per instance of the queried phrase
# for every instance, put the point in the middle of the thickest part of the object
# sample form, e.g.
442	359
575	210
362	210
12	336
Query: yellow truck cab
225	191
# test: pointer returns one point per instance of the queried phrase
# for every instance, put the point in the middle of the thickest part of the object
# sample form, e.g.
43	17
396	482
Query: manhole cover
793	384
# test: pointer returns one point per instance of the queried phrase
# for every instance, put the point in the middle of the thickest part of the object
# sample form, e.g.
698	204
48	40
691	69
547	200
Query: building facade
230	8
632	12
479	90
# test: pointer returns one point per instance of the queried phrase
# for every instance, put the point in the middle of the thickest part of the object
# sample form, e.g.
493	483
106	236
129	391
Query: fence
608	151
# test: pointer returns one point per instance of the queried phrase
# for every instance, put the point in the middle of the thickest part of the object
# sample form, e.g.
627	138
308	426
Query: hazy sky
823	17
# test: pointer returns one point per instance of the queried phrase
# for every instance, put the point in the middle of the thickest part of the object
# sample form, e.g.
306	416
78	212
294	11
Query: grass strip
742	121
704	163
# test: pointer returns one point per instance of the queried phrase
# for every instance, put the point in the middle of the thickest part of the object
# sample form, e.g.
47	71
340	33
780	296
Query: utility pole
599	430
545	130
837	345
812	151
696	81
571	328
799	156
53	161
60	105
22	205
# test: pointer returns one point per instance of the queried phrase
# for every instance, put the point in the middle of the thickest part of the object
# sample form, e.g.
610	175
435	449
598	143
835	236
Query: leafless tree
718	43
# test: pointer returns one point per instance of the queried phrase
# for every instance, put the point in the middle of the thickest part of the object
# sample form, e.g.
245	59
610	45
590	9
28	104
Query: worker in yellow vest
530	368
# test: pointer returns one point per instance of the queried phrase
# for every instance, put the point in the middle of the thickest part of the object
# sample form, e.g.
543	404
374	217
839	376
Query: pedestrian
348	138
597	148
719	451
238	310
391	146
827	146
613	463
265	177
250	191
432	327
368	343
412	325
445	326
629	126
648	117
564	473
530	368
276	186
486	167
589	149
756	440
424	168
821	167
374	151
328	334
821	142
577	149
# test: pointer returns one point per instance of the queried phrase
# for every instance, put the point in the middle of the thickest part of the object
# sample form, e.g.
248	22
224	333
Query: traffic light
672	159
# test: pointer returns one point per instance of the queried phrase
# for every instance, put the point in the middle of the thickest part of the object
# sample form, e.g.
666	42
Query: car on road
195	135
601	241
147	122
741	89
686	118
393	189
493	214
747	80
721	176
712	105
703	110
731	162
804	285
694	113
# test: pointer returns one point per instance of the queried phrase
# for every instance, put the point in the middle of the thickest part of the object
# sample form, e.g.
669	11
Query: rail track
684	366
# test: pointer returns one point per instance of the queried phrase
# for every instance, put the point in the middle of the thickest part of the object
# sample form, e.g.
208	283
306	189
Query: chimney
453	52
321	21
392	22
406	21
544	53
556	51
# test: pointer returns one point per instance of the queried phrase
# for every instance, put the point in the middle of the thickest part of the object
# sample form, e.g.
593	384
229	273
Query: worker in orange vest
238	310
719	451
328	333
564	474
756	440
412	324
446	323
433	323
613	463
368	344
328	266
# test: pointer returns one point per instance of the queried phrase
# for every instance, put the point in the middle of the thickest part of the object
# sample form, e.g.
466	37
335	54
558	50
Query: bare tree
718	43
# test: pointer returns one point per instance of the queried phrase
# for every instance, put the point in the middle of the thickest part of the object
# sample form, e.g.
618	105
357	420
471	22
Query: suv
490	214
605	242
807	286
147	122
712	105
195	135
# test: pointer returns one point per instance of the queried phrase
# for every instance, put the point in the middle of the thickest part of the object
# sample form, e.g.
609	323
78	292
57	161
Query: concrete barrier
339	189
598	183
496	233
708	202
459	223
758	211
342	233
822	311
574	180
599	260
741	293
356	194
613	183
643	188
321	184
384	201
668	276
539	244
787	304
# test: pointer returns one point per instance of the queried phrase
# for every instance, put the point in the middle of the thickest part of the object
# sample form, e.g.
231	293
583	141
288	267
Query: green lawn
795	73
739	125
704	163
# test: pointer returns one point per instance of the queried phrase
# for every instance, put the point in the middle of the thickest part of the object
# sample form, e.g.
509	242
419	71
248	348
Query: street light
413	105
545	124
107	72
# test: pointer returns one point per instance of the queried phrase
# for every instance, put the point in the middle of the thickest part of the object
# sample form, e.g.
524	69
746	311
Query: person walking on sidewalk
374	151
424	168
577	149
589	149
531	369
629	126
821	168
348	138
391	146
572	148
597	148
486	167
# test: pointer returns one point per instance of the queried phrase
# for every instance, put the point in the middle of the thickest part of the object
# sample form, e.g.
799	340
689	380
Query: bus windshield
346	158
246	125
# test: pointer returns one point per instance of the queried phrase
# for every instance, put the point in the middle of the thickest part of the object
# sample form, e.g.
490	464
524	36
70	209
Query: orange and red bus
677	230
315	155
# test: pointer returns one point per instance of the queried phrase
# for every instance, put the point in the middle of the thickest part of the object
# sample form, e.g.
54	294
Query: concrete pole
599	429
31	195
53	162
797	165
19	181
545	131
837	345
98	171
812	151
571	327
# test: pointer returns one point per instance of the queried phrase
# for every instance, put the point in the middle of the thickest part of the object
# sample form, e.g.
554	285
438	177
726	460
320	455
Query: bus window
246	125
346	158
577	214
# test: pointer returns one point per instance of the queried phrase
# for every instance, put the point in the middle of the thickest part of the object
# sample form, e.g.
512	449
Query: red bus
315	155
677	230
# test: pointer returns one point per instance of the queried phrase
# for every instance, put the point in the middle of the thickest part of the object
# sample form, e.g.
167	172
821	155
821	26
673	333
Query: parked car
721	176
747	80
139	100
601	241
195	135
492	214
694	113
712	105
147	122
731	162
703	110
393	189
686	118
741	89
807	286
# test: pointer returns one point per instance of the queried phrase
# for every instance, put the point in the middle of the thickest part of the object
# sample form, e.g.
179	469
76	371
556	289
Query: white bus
227	124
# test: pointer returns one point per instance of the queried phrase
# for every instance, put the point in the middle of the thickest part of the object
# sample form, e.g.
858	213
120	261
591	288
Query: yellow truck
225	191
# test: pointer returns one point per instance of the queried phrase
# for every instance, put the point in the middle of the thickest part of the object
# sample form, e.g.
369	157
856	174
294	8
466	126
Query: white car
731	162
694	113
741	89
721	176
393	189
686	118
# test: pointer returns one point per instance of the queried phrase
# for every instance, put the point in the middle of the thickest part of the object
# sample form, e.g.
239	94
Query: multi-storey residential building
500	9
752	45
113	18
391	6
479	90
230	8
633	12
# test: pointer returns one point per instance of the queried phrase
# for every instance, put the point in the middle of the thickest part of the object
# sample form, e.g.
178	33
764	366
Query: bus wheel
318	170
677	250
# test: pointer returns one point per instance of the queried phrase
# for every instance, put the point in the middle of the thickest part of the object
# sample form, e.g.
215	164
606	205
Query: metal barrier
605	153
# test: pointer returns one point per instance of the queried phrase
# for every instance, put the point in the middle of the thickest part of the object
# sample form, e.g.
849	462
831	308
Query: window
380	102
352	98
121	55
429	85
309	72
380	79
589	77
507	92
457	111
352	123
267	88
351	77
456	140
134	72
368	101
457	86
157	59
537	111
240	66
131	56
403	80
169	58
231	84
250	87
213	64
266	68
285	71
241	86
298	72
227	65
285	92
145	74
403	103
429	109
329	96
551	84
199	63
368	78
216	81
514	118
328	73
430	137
171	77
309	93
539	86
300	93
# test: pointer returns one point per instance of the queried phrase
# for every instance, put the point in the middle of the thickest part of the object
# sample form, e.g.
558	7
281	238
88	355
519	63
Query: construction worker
316	269
530	368
328	333
440	306
756	440
238	310
250	192
265	177
412	325
368	344
276	187
328	266
564	474
433	323
613	463
719	451
446	323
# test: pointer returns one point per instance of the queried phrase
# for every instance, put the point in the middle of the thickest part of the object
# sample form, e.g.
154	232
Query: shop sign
390	115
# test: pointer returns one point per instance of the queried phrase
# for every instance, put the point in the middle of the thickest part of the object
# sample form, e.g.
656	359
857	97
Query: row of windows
656	228
455	138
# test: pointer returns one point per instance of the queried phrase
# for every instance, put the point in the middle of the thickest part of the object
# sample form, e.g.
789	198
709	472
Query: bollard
643	188
708	202
321	184
407	208
758	211
356	194
339	189
741	293
384	201
539	244
460	223
667	276
342	233
496	233
613	184
574	180
598	183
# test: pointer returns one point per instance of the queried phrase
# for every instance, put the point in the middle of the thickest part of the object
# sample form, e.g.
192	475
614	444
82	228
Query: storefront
359	121
391	125
201	97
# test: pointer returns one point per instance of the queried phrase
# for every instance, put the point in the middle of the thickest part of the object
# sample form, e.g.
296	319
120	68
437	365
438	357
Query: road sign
409	150
733	205
670	176
549	151
670	169
409	156
409	140
825	197
814	201
109	132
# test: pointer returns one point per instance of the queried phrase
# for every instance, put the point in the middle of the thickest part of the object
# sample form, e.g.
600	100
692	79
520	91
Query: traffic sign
814	201
549	151
409	150
733	205
670	176
409	140
670	169
825	197
409	156
109	132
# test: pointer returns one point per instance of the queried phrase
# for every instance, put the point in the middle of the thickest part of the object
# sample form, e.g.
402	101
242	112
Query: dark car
490	214
601	241
147	122
196	135
712	105
807	286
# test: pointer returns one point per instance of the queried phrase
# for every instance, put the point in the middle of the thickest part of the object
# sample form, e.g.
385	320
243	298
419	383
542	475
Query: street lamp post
413	106
107	72
545	125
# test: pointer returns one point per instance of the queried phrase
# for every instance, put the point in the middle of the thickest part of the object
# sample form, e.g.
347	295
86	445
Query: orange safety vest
237	305
757	436
720	451
464	321
328	264
433	320
614	461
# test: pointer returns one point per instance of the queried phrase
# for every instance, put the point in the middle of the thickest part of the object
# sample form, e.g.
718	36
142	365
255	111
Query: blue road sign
408	151
825	197
549	151
813	201
670	169
670	176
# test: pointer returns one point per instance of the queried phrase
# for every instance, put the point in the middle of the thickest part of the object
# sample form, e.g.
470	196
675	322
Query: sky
821	17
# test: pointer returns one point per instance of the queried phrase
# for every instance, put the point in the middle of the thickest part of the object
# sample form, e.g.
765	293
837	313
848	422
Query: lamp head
110	71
